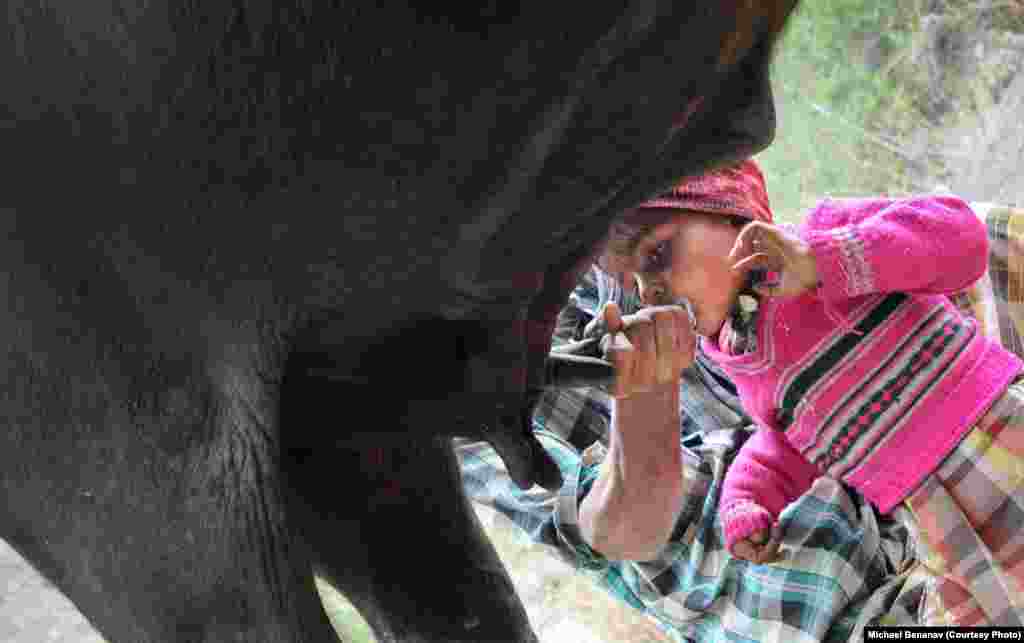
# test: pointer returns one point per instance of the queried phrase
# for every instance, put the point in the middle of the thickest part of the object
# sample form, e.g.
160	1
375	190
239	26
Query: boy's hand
769	247
761	547
649	349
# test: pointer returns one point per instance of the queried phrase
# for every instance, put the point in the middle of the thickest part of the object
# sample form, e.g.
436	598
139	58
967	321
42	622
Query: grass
824	97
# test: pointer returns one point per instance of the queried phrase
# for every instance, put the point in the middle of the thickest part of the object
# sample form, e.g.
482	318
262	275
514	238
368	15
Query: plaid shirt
844	566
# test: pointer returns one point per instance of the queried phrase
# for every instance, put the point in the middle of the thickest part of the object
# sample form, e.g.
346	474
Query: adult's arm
633	505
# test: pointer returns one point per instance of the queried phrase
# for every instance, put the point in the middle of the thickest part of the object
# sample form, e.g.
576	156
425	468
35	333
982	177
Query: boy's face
688	257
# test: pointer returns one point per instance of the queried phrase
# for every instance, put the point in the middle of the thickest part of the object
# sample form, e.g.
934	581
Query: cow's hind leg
392	529
161	545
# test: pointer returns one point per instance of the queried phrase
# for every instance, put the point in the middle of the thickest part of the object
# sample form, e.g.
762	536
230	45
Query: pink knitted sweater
874	377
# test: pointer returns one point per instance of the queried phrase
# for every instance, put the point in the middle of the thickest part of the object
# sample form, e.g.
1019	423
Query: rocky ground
32	610
564	607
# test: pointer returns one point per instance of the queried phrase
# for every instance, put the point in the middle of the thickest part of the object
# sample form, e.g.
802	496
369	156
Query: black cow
262	259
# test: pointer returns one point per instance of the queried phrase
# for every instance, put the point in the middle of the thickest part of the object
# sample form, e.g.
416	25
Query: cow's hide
261	259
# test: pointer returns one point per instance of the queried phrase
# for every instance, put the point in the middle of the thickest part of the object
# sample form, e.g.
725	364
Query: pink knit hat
737	189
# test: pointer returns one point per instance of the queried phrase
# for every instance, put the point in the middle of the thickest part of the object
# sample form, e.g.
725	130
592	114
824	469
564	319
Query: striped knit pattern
871	412
881	398
855	396
859	280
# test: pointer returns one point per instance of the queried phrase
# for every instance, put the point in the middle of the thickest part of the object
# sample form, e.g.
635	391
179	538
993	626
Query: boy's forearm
631	510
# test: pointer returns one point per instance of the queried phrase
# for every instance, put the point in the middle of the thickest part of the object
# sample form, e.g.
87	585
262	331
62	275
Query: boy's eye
658	258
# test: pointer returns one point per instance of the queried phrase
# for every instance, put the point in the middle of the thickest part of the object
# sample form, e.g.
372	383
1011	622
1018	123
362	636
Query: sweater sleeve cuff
842	262
742	519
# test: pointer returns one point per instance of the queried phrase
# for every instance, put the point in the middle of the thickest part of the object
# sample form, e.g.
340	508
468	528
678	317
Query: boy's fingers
612	317
643	333
666	338
762	238
761	547
741	242
747	240
654	340
758	260
619	351
620	342
769	553
746	550
768	290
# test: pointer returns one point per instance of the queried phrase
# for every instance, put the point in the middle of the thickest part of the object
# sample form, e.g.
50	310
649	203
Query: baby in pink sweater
846	350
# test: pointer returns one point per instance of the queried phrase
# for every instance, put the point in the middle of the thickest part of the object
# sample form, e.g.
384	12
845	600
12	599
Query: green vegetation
827	89
861	84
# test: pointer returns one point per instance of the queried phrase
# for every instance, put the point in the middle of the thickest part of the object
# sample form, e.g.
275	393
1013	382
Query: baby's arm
767	474
927	244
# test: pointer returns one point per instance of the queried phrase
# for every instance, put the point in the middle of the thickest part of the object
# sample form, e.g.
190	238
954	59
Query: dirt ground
989	152
32	610
563	606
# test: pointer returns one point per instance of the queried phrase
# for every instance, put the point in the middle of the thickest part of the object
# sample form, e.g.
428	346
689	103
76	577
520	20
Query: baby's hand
761	547
769	247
